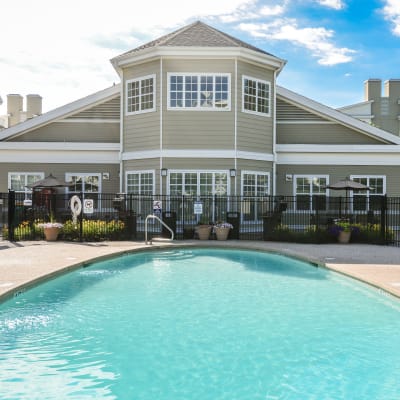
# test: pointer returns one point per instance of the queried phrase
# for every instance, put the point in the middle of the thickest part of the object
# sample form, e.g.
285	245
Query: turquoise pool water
200	324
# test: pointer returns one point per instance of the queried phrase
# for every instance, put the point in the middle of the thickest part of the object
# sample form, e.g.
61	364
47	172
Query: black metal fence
313	219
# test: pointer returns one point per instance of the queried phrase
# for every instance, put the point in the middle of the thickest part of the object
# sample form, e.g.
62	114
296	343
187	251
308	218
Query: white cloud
391	11
61	50
317	40
335	4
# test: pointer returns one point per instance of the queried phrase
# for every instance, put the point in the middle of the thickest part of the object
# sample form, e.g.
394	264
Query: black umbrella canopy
49	182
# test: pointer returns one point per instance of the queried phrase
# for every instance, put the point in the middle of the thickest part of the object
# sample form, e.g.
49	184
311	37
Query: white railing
151	216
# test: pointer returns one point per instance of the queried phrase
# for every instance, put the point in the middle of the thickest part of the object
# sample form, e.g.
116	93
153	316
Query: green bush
94	230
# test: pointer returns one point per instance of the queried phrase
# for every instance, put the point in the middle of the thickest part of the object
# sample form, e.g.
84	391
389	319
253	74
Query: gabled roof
61	112
197	34
334	115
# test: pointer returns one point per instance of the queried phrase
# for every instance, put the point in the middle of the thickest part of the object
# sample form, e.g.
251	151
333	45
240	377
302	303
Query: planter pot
51	233
344	237
222	233
203	232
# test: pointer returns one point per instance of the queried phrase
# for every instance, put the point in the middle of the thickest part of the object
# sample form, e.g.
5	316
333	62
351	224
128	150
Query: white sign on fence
198	207
157	207
88	206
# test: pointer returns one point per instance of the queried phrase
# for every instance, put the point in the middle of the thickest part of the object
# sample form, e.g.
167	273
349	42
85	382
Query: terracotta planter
203	231
222	233
344	237
51	233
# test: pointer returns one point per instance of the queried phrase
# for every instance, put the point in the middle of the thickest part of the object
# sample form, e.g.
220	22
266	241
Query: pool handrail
152	216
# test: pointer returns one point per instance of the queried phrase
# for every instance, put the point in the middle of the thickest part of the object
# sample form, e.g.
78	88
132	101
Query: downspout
235	125
121	133
161	126
274	141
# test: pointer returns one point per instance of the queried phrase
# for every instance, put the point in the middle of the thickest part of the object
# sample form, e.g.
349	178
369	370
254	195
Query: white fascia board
191	153
59	156
330	113
61	112
338	154
197	52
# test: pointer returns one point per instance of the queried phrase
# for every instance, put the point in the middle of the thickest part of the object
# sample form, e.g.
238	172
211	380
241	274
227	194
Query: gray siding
107	110
59	170
185	129
304	133
73	132
337	173
142	131
255	133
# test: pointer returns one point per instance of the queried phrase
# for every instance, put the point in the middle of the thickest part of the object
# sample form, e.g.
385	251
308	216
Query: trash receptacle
268	226
169	218
130	226
233	217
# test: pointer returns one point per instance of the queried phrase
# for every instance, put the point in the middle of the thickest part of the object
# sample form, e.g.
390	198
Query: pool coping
27	264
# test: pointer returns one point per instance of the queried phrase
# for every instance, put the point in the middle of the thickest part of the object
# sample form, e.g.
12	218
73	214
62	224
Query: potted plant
51	230
344	229
203	230
221	230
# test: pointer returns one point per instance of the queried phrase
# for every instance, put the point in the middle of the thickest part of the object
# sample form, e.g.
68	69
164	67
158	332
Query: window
254	184
256	96
18	181
364	200
310	192
87	183
140	182
140	96
199	91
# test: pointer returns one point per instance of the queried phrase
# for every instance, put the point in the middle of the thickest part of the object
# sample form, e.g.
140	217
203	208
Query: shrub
94	230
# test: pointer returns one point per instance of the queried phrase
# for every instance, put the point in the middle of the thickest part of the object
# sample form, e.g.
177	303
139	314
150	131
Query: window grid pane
140	95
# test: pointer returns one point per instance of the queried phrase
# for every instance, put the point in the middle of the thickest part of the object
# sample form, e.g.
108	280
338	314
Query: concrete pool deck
23	264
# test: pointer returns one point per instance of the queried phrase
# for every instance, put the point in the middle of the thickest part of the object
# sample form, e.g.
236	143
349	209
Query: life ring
76	207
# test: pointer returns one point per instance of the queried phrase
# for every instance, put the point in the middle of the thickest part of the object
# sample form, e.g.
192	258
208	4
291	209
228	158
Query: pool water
200	324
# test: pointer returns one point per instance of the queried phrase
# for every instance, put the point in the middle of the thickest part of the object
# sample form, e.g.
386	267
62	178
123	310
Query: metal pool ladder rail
158	239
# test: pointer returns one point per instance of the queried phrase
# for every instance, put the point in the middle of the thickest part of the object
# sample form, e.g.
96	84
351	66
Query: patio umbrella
347	185
49	182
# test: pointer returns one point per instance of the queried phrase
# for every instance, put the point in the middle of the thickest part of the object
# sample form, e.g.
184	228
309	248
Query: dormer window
256	96
140	95
199	91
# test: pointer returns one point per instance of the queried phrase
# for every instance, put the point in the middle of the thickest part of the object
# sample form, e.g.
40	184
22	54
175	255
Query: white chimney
14	108
33	105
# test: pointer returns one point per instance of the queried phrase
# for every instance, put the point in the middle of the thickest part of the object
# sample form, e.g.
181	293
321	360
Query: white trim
68	178
200	171
140	172
196	52
198	107
305	122
330	113
60	146
90	121
140	79
274	139
23	173
367	176
193	153
243	172
250	78
61	112
337	148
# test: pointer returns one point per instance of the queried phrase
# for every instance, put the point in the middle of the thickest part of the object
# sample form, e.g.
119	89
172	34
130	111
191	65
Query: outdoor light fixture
232	172
164	171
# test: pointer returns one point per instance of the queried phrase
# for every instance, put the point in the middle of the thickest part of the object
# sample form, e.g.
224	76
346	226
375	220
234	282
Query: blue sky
62	50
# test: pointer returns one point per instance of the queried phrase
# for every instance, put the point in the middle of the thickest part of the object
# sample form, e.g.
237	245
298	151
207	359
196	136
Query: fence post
11	215
383	218
81	219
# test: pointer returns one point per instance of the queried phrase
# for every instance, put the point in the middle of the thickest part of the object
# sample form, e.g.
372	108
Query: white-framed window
310	191
365	200
140	94
88	183
254	184
18	181
140	182
256	96
196	91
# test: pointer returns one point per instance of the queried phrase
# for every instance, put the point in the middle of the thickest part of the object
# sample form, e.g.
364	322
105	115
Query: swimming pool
200	324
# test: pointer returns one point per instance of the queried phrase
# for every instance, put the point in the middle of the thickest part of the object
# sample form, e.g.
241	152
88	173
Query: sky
61	50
